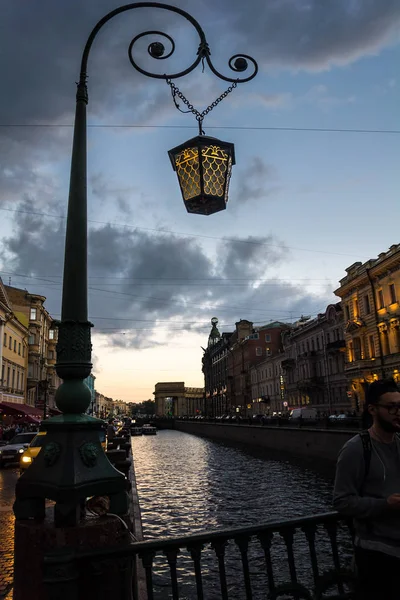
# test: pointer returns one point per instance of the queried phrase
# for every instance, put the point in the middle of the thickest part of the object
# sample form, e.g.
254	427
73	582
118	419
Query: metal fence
307	558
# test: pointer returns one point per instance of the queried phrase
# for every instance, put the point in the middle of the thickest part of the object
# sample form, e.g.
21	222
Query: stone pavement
8	479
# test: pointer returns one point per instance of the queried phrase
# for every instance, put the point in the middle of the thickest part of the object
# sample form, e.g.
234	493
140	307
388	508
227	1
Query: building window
371	346
31	339
33	314
8	376
5	340
18	380
367	306
15	345
356	308
357	349
392	292
258	351
3	368
312	344
13	379
23	351
19	349
10	343
22	381
347	309
351	352
328	338
51	354
381	303
267	337
51	334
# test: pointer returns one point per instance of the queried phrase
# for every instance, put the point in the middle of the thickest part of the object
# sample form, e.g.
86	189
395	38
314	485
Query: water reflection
188	484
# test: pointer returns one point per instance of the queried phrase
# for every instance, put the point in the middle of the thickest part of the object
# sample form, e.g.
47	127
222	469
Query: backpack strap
367	447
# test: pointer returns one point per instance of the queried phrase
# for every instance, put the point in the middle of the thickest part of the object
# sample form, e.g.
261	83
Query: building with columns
369	296
173	399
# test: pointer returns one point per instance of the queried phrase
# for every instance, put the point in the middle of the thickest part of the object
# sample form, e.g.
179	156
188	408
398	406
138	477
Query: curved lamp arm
74	345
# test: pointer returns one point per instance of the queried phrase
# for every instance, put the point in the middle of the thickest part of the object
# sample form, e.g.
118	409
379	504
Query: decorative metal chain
175	91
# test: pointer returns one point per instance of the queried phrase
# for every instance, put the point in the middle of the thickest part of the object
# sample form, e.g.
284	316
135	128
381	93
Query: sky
307	198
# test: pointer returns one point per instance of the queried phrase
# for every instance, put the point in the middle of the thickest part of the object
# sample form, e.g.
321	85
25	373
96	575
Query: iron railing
305	558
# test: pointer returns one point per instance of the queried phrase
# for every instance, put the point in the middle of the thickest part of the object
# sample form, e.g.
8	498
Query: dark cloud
139	281
256	182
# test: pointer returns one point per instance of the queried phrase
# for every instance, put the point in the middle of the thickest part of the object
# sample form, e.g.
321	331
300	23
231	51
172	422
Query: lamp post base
70	467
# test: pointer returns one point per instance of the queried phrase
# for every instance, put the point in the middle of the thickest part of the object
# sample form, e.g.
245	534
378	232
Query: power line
163	232
181	279
231	127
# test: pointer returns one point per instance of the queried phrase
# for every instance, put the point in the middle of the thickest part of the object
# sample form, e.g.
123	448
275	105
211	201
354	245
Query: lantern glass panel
188	171
215	168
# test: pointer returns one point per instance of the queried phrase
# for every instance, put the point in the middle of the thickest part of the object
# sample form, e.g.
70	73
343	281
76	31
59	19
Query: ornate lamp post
71	465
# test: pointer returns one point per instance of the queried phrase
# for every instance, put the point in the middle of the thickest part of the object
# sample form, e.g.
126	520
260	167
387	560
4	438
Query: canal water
189	484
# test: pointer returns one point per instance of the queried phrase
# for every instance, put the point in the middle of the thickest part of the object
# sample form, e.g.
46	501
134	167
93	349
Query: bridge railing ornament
306	558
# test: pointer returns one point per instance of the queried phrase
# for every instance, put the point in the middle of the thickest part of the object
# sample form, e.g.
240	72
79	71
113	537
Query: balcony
336	346
32	381
310	383
51	361
288	363
306	557
34	349
361	363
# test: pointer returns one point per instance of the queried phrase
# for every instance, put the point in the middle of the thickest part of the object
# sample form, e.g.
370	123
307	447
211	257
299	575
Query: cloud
254	182
314	35
141	283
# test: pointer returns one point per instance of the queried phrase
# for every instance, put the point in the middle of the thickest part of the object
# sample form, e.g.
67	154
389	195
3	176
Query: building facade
267	386
249	347
173	399
215	371
89	381
42	379
369	295
13	352
314	365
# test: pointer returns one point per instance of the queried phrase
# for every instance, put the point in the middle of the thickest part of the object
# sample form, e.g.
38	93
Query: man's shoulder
353	445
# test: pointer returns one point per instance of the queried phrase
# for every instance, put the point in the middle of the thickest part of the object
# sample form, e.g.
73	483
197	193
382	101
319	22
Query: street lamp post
71	465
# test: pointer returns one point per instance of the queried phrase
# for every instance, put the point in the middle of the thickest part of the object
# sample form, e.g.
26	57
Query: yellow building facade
13	352
41	346
370	294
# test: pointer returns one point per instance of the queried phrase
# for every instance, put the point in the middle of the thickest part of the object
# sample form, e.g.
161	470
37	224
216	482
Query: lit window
51	334
381	303
51	354
267	337
33	314
268	351
392	292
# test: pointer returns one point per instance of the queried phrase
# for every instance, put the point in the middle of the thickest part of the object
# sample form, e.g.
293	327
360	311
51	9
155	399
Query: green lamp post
71	465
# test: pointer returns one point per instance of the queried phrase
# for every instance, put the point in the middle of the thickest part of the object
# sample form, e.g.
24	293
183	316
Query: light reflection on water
188	484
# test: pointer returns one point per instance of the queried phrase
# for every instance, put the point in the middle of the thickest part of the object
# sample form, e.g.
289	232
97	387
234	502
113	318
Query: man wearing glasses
367	488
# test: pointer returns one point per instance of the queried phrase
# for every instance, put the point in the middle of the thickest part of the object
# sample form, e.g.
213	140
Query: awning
54	412
21	410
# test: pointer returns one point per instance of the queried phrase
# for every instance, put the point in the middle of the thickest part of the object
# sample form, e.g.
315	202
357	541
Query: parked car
309	414
11	452
32	451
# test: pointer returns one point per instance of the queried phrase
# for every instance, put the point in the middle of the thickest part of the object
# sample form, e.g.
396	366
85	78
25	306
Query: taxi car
32	451
34	447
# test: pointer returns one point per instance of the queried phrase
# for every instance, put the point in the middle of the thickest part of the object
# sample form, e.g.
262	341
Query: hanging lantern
203	165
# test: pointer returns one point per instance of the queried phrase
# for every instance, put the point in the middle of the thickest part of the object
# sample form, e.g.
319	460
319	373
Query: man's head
383	404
